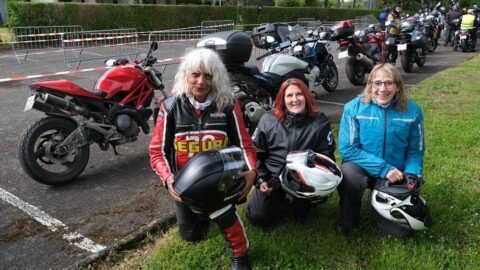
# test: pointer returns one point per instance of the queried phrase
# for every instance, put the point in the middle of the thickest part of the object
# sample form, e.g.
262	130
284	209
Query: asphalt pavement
118	197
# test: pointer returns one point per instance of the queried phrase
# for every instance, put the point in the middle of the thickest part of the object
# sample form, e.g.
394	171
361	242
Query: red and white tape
49	74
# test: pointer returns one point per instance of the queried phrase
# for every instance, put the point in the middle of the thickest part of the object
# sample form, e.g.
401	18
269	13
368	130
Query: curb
128	242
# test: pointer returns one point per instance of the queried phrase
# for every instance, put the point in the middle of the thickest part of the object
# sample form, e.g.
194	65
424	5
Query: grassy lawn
451	103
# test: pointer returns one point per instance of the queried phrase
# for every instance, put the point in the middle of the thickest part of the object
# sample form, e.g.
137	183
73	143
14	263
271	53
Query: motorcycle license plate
402	47
343	54
30	102
463	37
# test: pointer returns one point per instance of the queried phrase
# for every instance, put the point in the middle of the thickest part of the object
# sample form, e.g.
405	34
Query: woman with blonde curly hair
200	116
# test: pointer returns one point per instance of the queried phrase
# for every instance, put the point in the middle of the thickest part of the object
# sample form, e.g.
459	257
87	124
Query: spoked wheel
331	80
355	71
39	152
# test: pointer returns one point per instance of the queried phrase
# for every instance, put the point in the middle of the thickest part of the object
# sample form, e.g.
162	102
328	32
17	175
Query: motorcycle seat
68	88
248	70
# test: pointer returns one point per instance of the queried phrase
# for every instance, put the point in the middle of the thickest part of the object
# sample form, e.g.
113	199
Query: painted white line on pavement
52	224
333	103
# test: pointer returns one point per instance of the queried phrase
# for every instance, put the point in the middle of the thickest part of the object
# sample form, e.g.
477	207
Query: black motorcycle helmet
210	180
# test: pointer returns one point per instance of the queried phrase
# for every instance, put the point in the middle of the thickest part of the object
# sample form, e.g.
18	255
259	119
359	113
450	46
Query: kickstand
115	150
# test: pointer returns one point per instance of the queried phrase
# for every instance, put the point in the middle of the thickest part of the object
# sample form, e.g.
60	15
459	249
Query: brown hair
401	95
279	106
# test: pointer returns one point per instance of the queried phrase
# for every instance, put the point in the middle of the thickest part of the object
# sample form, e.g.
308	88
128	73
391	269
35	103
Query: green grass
451	103
4	34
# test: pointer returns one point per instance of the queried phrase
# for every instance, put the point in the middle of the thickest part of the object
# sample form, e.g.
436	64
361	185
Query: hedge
159	17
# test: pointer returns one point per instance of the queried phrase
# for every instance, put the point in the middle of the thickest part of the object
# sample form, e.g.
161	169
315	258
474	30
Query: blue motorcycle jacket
379	139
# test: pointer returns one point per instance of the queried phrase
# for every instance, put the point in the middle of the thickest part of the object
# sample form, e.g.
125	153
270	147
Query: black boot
240	263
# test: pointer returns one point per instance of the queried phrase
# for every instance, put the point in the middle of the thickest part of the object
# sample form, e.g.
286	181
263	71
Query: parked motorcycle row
55	150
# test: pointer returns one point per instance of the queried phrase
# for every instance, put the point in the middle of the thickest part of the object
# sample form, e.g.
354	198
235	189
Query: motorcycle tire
432	45
355	71
407	62
421	57
331	81
463	45
42	165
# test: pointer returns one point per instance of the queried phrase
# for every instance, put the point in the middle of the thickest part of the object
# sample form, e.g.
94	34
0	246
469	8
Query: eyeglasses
388	84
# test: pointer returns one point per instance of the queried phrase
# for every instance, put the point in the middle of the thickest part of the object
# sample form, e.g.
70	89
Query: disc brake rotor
54	158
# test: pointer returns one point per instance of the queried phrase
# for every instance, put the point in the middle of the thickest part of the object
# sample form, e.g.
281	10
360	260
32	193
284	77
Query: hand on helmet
170	181
250	177
394	176
265	188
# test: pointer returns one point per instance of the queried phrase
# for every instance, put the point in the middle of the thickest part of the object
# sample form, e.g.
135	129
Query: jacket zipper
291	139
384	132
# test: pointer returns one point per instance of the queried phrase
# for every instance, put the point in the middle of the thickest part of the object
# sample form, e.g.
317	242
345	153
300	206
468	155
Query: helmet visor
233	164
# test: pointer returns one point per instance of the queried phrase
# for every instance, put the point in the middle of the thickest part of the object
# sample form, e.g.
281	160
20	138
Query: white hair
205	61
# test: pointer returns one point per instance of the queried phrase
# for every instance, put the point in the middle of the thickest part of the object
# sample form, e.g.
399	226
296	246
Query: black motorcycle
412	45
464	40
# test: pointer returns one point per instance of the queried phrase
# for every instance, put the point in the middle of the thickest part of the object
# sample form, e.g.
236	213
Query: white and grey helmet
309	175
402	204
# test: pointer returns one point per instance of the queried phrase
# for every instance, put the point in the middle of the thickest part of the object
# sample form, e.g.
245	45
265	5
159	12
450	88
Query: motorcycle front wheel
37	152
407	58
421	57
355	71
331	79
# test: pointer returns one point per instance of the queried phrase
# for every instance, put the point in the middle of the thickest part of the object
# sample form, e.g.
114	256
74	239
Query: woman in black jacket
294	124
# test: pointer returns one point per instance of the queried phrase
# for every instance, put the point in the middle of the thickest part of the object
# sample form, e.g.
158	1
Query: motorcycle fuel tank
122	78
281	64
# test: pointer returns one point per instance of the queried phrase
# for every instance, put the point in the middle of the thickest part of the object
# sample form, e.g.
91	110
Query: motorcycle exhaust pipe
254	111
60	103
365	60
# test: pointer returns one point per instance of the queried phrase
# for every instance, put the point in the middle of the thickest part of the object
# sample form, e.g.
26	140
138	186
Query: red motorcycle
56	149
362	49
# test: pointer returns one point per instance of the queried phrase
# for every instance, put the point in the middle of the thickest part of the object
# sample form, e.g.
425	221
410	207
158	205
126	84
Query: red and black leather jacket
182	131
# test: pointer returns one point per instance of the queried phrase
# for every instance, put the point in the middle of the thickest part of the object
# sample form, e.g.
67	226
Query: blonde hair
205	61
400	96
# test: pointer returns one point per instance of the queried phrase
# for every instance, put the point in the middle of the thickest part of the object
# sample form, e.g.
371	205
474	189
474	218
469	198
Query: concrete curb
128	242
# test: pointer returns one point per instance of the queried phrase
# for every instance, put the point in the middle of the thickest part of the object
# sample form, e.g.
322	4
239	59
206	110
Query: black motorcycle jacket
274	140
180	134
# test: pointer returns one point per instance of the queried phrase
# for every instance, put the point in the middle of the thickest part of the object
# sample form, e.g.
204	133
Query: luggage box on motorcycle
279	31
342	29
234	47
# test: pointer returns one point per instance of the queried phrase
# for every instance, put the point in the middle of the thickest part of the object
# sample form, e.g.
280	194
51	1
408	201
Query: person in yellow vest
393	30
469	22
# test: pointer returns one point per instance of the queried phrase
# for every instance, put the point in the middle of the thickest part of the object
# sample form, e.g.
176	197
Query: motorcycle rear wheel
463	45
331	81
37	157
355	71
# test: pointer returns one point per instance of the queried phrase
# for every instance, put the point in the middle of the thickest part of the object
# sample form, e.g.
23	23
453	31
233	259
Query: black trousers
448	34
263	210
355	181
194	226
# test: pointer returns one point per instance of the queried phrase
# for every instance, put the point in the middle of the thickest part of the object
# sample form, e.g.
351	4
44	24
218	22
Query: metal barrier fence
305	21
88	45
362	22
27	39
173	44
220	25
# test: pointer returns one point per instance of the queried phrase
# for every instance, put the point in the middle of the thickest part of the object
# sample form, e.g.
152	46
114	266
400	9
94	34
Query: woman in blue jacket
380	137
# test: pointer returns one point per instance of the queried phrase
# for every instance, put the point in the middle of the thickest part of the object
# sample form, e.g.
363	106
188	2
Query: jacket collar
295	118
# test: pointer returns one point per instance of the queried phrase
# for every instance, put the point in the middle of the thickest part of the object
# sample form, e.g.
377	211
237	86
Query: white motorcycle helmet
309	175
402	204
